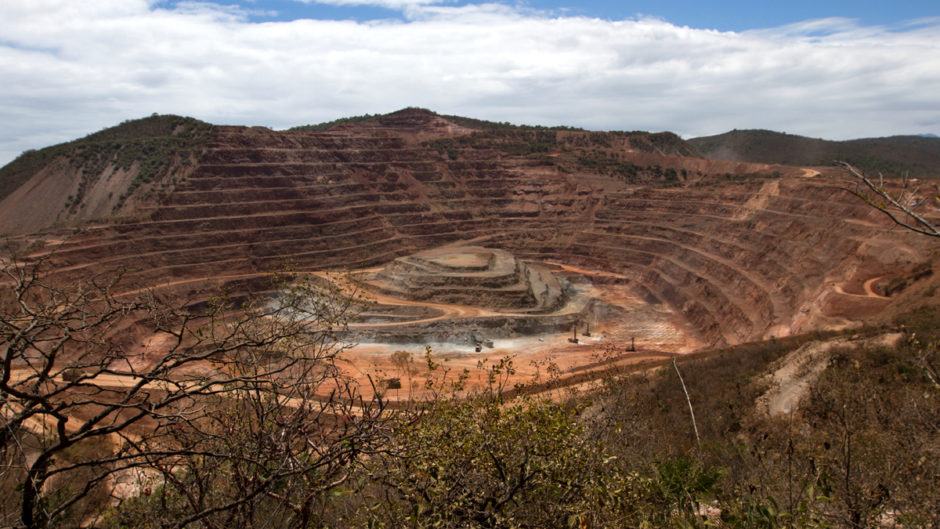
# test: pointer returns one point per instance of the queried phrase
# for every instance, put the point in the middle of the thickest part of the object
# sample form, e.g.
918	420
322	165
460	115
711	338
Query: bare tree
898	203
243	406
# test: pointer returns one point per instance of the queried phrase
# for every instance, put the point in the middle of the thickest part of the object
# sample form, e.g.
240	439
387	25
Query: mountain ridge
123	171
906	155
723	244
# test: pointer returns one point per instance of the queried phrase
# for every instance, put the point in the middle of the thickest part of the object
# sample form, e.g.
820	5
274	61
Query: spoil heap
473	276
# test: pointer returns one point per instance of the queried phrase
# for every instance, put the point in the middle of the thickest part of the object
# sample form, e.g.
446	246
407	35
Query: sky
834	70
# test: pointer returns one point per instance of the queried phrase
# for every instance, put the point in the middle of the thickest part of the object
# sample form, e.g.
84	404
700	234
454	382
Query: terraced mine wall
737	260
472	276
464	330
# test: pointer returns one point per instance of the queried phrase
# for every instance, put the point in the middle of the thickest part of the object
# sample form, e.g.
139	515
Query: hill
124	170
758	345
96	176
914	156
733	251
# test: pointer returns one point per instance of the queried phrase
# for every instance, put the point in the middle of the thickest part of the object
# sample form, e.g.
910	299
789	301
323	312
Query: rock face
472	276
737	251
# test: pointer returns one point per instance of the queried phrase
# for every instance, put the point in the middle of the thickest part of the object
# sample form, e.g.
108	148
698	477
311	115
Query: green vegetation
628	172
575	151
152	142
874	165
17	172
862	451
662	143
912	156
248	420
488	462
471	123
326	125
514	141
481	124
287	441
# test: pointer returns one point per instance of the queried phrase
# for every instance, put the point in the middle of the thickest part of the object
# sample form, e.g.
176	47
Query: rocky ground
660	251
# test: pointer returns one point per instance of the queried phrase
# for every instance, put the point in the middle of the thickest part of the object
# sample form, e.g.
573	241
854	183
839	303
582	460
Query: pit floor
647	331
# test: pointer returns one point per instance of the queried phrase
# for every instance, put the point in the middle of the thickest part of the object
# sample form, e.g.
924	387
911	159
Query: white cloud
390	4
72	68
232	12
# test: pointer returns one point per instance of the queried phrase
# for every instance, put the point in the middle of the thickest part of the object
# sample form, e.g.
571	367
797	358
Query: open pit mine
478	239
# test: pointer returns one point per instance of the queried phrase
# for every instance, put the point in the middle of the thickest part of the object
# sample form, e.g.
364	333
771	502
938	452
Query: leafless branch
698	440
245	398
898	206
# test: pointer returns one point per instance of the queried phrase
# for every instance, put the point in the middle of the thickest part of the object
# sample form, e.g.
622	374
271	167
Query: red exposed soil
722	261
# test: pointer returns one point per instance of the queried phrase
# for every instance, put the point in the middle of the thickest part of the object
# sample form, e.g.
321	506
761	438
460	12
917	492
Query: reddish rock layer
738	260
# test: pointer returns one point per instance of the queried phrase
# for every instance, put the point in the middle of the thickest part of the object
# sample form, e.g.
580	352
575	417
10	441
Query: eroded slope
737	251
